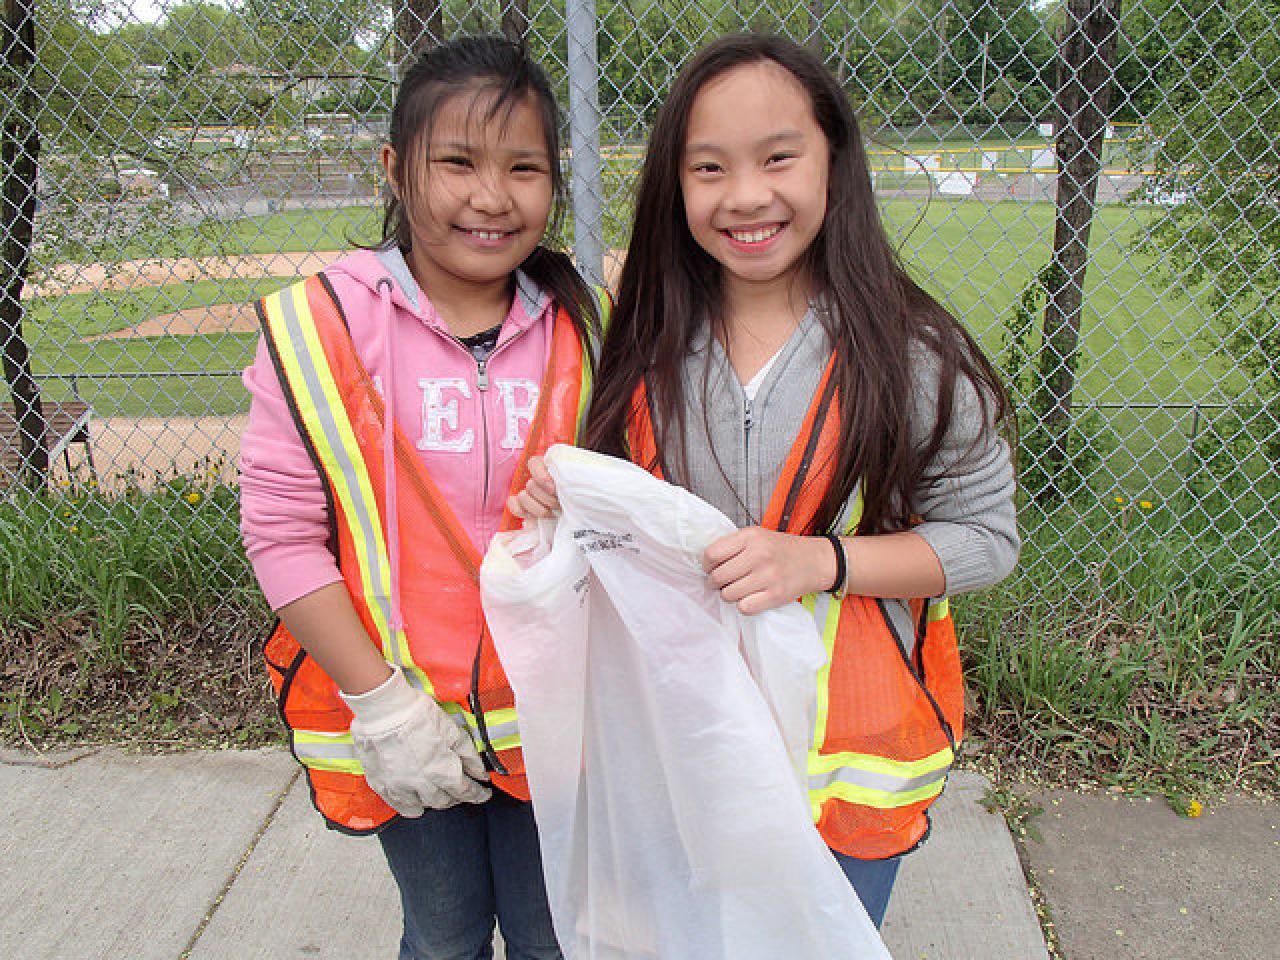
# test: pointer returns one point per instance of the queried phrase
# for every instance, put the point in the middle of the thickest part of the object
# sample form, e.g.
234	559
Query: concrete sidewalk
211	855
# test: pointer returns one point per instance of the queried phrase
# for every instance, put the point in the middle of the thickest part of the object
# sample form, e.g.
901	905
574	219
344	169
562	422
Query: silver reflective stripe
821	610
497	731
308	746
850	513
370	531
501	731
881	782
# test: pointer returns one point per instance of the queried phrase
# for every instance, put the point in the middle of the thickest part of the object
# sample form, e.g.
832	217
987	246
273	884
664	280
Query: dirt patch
184	679
216	318
70	278
142	452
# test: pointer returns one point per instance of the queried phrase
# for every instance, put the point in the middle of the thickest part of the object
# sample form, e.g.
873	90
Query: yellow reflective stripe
325	750
589	346
939	610
826	613
320	404
584	396
847	523
876	781
318	750
501	725
504	743
333	766
604	300
346	466
868	797
820	763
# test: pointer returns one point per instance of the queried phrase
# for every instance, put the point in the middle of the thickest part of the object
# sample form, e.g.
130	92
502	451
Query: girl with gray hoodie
769	352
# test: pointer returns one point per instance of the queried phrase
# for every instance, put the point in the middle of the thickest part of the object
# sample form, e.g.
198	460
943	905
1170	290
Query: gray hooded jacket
736	450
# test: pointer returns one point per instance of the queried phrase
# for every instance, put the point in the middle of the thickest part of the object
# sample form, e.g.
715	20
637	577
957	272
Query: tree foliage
1217	123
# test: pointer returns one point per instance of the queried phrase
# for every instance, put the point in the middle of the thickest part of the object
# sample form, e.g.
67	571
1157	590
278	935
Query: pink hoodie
468	419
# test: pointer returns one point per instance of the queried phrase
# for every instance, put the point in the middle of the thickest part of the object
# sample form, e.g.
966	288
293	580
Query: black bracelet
841	562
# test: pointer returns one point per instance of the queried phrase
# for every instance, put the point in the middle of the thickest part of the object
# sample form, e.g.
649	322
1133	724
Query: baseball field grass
1149	353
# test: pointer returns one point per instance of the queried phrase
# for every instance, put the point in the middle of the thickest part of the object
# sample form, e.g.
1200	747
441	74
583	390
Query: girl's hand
761	569
538	498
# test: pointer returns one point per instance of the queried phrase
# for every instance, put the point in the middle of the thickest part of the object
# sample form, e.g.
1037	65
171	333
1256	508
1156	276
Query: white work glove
414	756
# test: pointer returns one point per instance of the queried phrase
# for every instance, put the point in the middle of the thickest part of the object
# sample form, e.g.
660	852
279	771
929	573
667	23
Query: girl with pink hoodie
454	317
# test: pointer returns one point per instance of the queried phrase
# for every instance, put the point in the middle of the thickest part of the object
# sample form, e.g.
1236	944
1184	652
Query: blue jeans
872	880
459	869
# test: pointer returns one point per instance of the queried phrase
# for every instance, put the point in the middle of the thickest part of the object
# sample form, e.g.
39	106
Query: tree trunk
1084	96
817	14
419	26
515	19
20	148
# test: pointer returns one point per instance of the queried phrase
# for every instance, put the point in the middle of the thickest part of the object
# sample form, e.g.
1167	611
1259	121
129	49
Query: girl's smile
754	239
488	239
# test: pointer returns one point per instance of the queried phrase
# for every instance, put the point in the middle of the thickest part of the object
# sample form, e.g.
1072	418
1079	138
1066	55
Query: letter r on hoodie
439	414
516	411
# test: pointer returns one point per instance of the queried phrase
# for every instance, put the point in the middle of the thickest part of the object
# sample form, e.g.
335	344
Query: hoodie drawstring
385	288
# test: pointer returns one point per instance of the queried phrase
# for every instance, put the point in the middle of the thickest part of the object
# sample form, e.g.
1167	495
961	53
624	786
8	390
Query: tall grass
1089	665
128	615
135	616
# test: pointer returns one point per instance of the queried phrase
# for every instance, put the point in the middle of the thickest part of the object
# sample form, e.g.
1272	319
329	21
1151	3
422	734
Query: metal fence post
584	139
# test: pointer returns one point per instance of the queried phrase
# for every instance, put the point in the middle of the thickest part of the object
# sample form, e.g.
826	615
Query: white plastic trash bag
664	733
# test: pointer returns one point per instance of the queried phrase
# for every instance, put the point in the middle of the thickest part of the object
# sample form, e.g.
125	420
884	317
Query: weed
1018	812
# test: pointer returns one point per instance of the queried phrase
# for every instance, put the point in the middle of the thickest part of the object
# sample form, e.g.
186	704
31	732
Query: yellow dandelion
1120	500
66	513
1194	808
1145	504
74	528
193	497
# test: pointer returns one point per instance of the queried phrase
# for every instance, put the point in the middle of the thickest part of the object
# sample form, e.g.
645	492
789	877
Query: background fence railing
166	163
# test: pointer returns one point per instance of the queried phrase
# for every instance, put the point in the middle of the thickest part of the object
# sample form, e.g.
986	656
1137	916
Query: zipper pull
482	375
747	419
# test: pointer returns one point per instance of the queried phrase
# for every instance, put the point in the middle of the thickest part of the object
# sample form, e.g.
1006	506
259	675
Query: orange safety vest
444	649
889	715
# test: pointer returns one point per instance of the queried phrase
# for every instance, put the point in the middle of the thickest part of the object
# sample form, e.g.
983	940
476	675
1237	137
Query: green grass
1086	668
130	617
292	230
122	377
1143	342
134	616
298	230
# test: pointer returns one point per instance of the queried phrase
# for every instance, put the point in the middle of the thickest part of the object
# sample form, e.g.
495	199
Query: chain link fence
1093	190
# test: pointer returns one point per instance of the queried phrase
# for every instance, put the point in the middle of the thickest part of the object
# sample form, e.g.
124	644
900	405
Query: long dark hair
875	313
495	71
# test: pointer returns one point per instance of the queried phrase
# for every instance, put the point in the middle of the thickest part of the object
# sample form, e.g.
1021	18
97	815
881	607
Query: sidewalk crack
46	761
235	873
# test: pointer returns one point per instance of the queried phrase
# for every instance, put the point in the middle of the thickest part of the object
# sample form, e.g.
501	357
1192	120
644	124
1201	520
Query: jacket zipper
748	421
487	752
482	386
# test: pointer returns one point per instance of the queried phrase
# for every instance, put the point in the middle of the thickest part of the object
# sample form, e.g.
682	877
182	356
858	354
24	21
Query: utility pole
986	44
584	139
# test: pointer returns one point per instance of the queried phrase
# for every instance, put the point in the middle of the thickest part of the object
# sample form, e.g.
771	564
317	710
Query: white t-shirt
753	387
